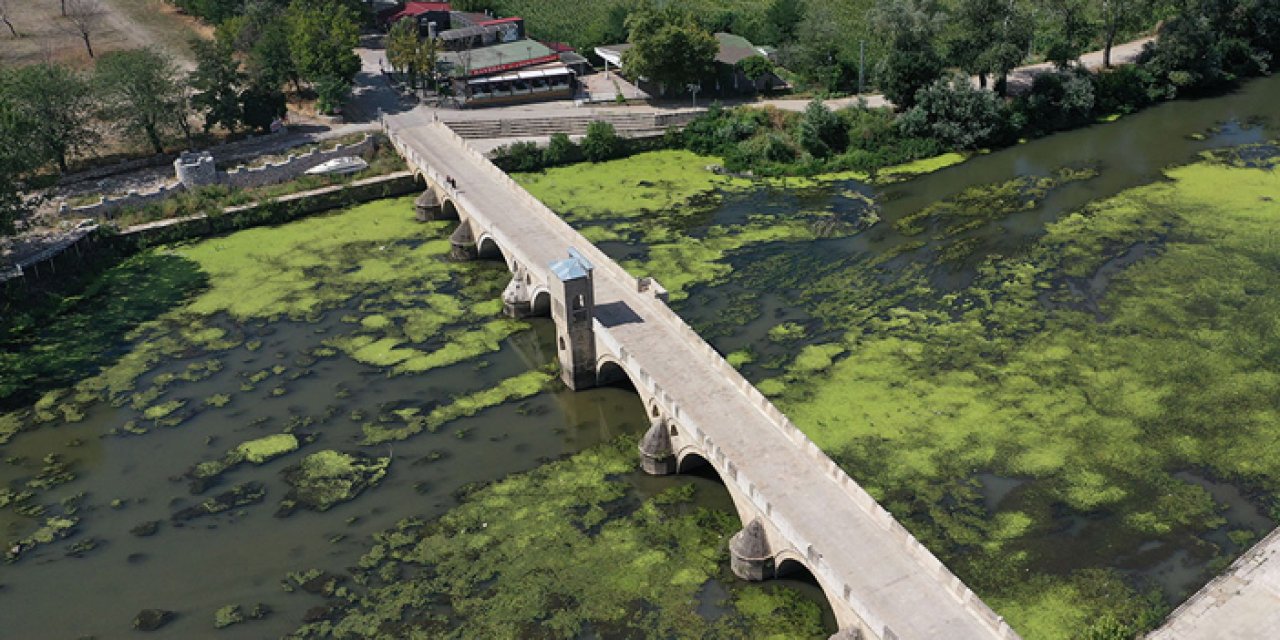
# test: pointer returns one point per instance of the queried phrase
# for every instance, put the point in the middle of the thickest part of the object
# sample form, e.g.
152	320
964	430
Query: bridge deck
891	581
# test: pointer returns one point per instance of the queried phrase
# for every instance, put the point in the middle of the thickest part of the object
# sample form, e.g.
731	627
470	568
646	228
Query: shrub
561	150
602	142
1057	101
957	115
822	133
1121	90
519	156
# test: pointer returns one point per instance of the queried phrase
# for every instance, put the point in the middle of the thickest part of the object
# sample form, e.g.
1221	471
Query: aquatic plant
326	478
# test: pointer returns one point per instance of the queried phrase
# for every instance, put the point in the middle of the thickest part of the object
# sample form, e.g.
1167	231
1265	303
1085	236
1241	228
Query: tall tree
1119	15
322	40
216	81
989	37
57	103
18	157
817	53
402	49
141	90
1070	28
912	61
669	48
783	18
84	16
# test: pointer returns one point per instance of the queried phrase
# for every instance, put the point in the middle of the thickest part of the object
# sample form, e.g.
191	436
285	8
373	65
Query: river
314	369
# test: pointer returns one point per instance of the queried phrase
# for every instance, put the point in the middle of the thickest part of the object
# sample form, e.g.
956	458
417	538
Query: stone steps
626	124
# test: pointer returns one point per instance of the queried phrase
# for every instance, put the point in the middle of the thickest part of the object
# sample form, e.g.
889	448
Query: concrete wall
291	167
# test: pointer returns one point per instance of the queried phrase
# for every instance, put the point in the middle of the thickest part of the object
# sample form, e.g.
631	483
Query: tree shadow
60	333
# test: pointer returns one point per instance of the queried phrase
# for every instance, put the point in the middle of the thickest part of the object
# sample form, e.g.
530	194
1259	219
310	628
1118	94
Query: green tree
912	60
669	48
322	39
988	37
216	81
783	18
269	61
817	54
822	133
1070	28
56	103
19	155
755	68
261	104
601	142
142	92
1115	16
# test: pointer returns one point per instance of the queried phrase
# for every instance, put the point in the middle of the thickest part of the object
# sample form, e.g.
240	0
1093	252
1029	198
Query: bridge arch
449	209
541	303
487	248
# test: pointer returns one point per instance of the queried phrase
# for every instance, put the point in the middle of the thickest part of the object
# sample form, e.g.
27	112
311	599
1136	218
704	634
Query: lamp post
694	88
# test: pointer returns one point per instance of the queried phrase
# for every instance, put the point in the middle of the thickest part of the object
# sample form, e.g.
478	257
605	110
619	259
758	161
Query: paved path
893	582
1242	603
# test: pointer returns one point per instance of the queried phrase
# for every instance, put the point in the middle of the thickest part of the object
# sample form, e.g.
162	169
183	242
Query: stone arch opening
541	305
487	249
611	374
794	574
449	210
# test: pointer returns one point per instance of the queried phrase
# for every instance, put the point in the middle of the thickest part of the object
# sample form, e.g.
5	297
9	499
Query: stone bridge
798	508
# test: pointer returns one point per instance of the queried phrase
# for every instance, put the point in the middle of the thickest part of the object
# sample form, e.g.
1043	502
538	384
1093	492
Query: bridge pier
464	243
517	298
749	554
657	457
427	206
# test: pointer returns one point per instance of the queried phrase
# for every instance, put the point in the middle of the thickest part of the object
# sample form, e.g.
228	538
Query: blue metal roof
575	267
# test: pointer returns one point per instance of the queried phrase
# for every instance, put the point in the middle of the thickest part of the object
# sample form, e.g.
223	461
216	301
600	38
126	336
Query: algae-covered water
1054	363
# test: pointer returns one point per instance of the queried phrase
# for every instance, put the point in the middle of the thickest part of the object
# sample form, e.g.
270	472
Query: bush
602	142
957	115
519	156
822	133
561	150
1121	90
1057	101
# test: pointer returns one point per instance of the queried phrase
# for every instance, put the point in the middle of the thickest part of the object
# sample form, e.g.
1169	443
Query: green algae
1095	394
53	529
516	387
498	565
327	478
257	451
227	616
977	207
659	183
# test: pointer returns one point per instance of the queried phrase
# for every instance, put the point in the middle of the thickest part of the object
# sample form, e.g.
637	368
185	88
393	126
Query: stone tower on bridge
574	306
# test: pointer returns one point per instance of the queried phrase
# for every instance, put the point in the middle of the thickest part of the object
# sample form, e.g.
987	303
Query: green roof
485	60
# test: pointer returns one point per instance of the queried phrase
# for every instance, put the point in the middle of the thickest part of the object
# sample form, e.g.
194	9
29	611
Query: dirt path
125	16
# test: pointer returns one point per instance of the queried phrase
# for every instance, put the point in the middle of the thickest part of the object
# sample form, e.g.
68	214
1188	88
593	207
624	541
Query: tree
142	92
669	48
816	54
261	104
912	61
1070	29
84	16
988	37
56	102
822	133
410	55
216	81
755	68
602	142
783	18
560	150
18	157
1118	15
5	11
322	40
955	114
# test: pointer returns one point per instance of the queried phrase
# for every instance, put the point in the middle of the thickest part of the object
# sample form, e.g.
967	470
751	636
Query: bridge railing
656	307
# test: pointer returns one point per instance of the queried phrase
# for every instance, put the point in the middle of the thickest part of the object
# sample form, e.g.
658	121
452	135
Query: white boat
340	166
